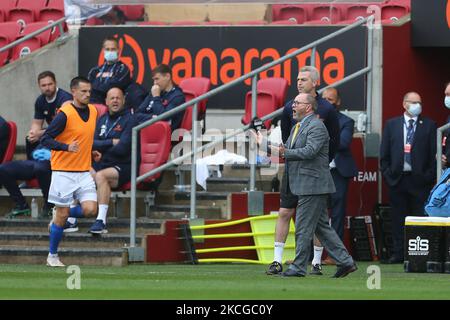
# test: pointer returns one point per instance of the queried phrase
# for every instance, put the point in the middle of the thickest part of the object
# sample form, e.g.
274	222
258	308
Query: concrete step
69	256
70	240
114	225
227	184
180	211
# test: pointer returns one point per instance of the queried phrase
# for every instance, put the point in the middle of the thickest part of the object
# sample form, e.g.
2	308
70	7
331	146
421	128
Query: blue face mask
110	55
447	101
415	109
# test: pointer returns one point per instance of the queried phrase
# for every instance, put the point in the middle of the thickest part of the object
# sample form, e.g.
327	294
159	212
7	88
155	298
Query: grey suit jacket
307	165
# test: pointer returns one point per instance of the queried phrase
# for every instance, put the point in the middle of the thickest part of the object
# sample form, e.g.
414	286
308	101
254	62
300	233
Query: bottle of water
34	209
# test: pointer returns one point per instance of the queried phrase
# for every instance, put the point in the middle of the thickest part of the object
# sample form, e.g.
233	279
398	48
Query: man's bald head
332	95
115	100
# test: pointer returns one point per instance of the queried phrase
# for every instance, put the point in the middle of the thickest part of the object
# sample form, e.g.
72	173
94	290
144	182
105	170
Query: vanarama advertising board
224	53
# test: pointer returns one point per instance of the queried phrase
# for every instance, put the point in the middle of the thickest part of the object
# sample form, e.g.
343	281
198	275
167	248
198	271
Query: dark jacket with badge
109	127
154	106
107	76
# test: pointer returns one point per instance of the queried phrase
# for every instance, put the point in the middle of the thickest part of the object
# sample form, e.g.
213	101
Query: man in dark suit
307	175
343	166
408	164
307	82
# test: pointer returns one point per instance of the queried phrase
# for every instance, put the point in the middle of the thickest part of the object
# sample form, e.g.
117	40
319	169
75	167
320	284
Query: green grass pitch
215	281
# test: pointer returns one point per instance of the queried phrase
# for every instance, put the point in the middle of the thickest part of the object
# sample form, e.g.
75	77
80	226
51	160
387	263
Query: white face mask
415	109
110	55
447	101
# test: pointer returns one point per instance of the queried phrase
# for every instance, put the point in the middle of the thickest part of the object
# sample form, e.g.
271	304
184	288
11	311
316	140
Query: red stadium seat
197	86
26	11
10	30
403	3
277	86
33	183
44	36
393	12
155	151
53	11
323	14
5	8
101	109
34	43
286	12
5	55
11	148
133	12
192	88
265	104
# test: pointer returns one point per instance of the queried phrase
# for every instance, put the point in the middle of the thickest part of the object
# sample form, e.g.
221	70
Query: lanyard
102	70
105	126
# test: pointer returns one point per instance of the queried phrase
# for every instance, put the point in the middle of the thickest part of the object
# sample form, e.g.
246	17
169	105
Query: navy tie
409	139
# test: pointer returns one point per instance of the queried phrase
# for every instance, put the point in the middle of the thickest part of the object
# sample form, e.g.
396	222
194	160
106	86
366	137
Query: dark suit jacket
307	164
423	153
345	164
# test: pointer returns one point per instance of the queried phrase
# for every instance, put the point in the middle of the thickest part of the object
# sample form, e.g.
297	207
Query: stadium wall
18	81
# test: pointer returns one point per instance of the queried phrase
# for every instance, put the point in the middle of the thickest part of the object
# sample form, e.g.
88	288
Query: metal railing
254	75
440	130
58	23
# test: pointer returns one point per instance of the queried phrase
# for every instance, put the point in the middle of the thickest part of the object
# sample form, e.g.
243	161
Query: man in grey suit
308	176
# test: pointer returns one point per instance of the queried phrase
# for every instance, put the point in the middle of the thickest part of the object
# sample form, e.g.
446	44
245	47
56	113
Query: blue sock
56	233
76	212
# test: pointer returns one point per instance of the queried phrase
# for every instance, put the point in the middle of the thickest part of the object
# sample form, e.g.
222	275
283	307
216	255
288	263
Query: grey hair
311	100
314	73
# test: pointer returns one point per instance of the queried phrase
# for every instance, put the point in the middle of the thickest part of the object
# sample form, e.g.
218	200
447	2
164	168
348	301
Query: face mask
110	55
447	102
415	109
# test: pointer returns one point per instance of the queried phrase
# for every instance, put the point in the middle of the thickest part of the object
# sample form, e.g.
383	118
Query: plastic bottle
34	209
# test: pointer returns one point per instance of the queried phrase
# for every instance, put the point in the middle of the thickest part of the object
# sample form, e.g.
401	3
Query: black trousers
339	203
25	170
406	199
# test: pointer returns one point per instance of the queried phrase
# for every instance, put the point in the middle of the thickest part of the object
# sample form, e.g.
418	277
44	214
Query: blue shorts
124	170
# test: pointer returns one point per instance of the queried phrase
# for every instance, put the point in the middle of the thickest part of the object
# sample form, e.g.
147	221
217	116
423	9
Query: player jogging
70	137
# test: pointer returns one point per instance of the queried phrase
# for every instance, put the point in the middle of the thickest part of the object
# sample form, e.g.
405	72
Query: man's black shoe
274	268
345	270
292	273
316	269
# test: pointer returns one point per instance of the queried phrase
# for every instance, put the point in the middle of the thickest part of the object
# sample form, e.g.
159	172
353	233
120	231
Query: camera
257	124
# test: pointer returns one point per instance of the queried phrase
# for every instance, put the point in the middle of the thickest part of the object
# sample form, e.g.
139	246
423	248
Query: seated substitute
45	108
112	153
112	73
38	163
164	96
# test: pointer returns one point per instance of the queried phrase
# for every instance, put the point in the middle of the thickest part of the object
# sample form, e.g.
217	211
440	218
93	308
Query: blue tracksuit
109	127
154	106
105	77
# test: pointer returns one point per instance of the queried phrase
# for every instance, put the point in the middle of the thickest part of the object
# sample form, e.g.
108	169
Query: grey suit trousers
312	217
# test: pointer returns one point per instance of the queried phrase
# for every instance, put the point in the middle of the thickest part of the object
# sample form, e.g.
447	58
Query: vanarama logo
130	54
226	64
448	13
418	247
